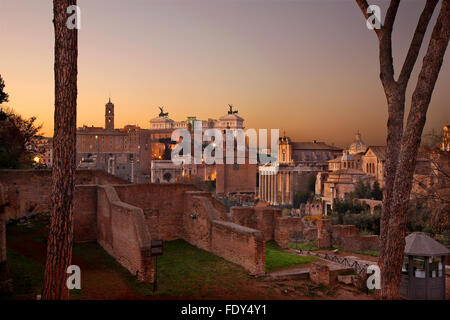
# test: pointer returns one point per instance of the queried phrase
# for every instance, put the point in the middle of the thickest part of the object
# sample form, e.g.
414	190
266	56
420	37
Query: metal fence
360	268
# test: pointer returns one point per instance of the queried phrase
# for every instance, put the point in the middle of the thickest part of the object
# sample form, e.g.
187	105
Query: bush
365	221
302	197
348	205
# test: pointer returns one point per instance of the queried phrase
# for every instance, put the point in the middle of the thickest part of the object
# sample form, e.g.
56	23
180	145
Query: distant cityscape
140	155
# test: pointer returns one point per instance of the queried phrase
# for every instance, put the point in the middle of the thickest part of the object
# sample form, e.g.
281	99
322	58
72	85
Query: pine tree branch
416	42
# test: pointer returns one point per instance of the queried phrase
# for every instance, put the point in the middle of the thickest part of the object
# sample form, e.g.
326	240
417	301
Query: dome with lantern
357	146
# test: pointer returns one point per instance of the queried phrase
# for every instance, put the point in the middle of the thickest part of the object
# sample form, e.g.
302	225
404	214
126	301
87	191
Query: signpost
156	249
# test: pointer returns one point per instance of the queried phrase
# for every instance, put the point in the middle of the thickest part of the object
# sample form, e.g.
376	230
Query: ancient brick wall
285	227
344	231
28	191
122	232
239	178
259	218
321	273
85	213
238	244
197	219
323	233
244	216
204	228
359	243
163	201
347	237
173	211
5	281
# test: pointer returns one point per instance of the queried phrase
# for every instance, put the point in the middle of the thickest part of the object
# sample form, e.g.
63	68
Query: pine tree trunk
395	230
59	245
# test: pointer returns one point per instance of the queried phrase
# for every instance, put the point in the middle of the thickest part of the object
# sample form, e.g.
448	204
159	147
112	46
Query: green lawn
27	274
373	253
305	246
183	270
277	258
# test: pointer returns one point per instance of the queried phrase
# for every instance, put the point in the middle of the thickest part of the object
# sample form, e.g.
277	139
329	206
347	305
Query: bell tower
109	115
285	150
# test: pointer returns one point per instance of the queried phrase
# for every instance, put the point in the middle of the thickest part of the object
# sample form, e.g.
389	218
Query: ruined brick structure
5	281
345	236
123	218
28	191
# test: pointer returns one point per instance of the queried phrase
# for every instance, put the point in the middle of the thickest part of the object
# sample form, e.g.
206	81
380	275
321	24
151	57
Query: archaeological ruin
123	218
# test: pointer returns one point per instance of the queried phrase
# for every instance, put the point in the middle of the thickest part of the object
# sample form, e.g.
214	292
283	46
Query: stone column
283	188
266	187
332	197
275	195
291	187
259	185
263	185
270	191
5	281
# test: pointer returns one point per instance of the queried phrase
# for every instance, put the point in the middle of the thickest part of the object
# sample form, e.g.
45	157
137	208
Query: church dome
358	145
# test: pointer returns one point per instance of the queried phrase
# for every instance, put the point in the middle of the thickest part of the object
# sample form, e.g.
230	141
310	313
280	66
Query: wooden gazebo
423	271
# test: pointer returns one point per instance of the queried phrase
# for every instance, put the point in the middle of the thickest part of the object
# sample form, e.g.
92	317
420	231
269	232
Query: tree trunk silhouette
59	245
402	144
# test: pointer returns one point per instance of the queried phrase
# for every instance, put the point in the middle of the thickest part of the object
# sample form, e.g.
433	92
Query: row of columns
276	188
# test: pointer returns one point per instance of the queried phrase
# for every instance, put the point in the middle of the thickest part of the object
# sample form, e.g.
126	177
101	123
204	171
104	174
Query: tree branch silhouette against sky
307	67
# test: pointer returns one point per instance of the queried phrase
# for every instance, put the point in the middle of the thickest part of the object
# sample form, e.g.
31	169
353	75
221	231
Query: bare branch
363	5
386	60
416	42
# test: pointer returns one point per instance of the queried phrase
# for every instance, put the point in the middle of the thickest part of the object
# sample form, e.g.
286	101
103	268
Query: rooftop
420	244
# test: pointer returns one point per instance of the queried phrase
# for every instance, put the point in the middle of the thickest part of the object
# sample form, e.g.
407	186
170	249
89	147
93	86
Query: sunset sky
307	67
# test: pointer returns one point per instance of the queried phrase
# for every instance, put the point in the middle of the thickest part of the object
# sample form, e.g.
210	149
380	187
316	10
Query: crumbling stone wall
231	178
123	217
348	238
345	236
85	213
323	233
122	232
205	228
284	226
28	191
239	244
162	204
259	218
181	211
344	231
322	273
5	281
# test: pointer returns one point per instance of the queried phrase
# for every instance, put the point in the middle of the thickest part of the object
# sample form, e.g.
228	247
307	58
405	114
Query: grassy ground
305	246
277	258
184	271
372	253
